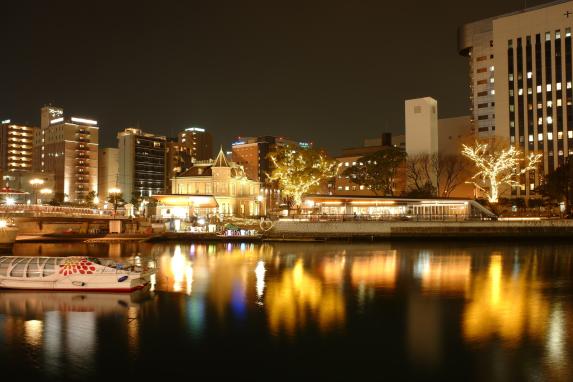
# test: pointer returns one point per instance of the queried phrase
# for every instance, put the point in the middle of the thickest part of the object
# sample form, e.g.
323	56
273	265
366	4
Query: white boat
73	273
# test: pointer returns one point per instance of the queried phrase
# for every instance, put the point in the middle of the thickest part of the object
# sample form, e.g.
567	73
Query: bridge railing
36	209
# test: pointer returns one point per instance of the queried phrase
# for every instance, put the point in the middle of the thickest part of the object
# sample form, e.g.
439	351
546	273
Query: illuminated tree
497	166
377	171
299	171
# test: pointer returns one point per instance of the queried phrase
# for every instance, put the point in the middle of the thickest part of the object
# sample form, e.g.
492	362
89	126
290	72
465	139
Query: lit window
511	92
538	88
531	186
492	92
570	134
530	137
549	136
548	87
362	187
491	68
539	105
491	80
540	136
559	135
549	120
520	91
346	188
540	121
567	32
557	35
559	102
512	139
547	36
511	76
512	124
529	91
549	103
529	74
346	164
568	84
511	108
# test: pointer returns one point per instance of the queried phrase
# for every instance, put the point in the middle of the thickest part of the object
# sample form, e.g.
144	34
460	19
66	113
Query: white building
421	116
67	147
527	70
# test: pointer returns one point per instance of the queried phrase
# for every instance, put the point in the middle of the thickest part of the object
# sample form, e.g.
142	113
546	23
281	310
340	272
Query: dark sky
334	72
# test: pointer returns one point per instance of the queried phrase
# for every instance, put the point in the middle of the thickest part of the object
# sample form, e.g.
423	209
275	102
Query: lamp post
35	184
114	196
45	191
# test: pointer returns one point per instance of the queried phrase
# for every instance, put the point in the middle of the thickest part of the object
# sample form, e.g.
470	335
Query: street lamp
114	196
45	191
35	184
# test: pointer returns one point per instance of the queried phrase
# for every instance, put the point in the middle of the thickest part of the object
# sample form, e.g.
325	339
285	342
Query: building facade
108	171
68	148
142	158
199	142
15	147
235	193
531	62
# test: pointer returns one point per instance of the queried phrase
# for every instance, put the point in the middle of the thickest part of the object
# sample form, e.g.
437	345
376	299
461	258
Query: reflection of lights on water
495	277
189	278
153	281
422	265
33	332
53	343
229	247
177	268
80	338
555	338
243	247
132	327
260	274
192	250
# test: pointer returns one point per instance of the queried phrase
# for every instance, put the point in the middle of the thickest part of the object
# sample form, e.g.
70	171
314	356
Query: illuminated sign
83	120
195	129
6	121
57	120
238	143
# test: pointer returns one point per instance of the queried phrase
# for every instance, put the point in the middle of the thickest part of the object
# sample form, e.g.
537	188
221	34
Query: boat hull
95	283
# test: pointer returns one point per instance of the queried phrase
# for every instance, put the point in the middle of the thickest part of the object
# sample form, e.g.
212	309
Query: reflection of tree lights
33	332
260	274
378	270
298	294
509	306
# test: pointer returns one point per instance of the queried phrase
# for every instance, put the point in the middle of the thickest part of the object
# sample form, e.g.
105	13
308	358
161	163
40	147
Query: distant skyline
332	72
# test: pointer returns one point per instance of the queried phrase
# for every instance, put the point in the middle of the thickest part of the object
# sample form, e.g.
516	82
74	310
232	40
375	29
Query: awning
181	200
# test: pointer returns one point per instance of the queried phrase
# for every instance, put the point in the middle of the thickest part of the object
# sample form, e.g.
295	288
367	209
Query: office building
527	70
141	163
198	140
108	173
68	148
15	147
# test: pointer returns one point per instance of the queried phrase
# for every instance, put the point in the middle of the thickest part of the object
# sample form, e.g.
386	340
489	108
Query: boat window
34	269
18	270
50	268
4	265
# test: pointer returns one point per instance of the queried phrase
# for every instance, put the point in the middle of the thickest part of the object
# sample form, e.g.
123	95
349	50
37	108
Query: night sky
334	72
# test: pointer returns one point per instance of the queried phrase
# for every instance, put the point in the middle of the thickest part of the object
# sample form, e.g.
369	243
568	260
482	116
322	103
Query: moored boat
71	273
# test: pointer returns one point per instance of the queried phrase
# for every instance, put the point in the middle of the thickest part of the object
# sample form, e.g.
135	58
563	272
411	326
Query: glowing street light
35	184
10	201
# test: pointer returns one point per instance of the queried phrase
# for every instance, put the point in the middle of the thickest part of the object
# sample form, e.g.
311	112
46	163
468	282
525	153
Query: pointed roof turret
221	160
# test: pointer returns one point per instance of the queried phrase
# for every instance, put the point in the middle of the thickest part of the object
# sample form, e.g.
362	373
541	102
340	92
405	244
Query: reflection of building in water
297	295
425	335
333	269
375	270
444	274
510	306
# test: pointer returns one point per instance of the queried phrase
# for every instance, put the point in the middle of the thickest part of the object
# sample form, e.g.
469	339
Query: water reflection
433	302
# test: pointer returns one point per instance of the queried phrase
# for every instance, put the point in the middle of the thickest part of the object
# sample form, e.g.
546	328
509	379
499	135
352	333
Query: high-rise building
15	147
252	154
527	72
141	163
198	140
67	147
108	173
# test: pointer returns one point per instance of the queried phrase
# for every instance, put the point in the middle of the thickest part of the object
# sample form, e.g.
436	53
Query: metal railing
364	217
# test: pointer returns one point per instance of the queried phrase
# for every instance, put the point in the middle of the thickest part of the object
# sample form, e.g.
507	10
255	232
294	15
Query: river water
458	311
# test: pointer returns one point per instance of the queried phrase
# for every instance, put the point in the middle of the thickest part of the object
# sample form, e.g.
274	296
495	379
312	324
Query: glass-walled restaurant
326	207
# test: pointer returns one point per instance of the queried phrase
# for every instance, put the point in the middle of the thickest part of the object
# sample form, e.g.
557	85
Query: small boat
73	273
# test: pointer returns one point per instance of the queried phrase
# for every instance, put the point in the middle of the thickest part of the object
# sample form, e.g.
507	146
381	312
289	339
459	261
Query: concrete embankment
389	230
